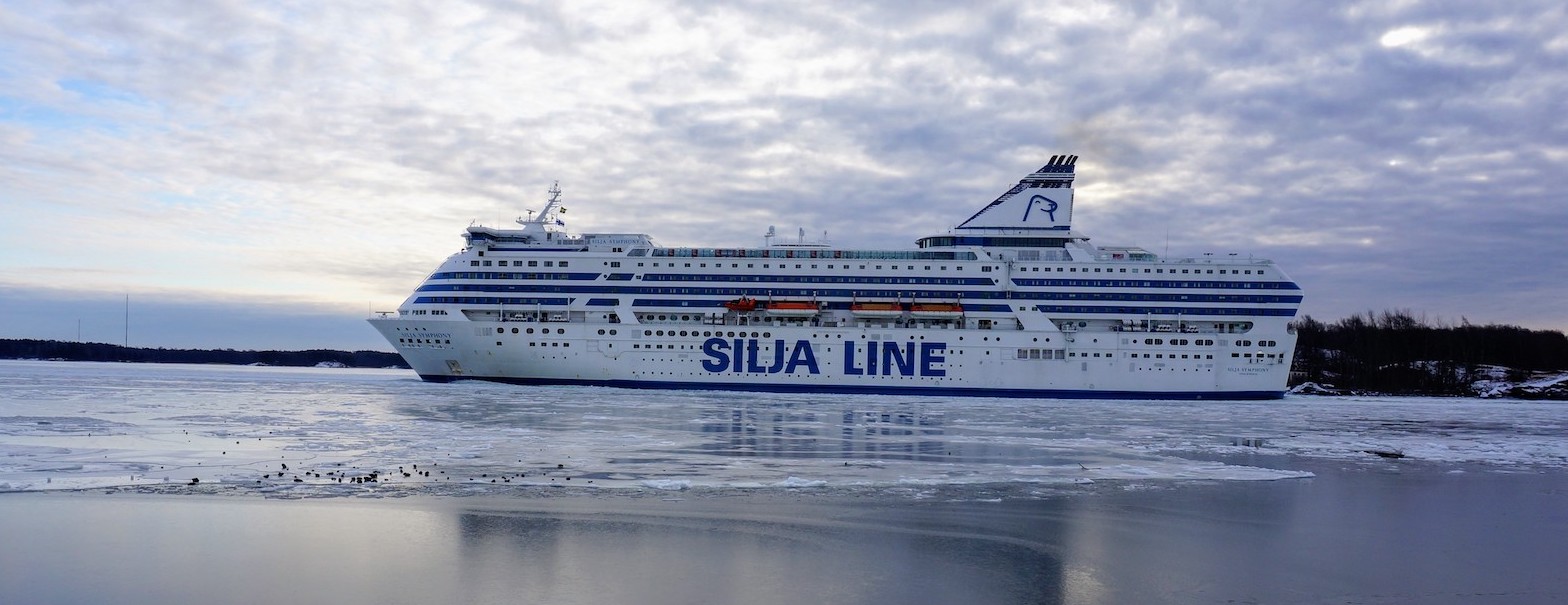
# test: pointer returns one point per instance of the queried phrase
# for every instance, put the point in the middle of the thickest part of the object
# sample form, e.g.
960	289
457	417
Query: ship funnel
1041	201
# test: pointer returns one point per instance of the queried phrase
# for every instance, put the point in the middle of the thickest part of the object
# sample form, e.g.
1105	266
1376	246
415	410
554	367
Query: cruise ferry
1011	302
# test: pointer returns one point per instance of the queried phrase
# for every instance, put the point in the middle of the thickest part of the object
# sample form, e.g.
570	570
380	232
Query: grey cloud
1374	174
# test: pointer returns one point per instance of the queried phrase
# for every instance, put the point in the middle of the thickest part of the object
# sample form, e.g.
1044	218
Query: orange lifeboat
791	308
936	310
742	305
876	309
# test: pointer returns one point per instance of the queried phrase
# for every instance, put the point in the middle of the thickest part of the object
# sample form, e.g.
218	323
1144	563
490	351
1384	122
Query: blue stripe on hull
875	390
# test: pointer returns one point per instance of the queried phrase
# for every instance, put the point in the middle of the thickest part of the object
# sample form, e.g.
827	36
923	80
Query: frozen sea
159	480
66	425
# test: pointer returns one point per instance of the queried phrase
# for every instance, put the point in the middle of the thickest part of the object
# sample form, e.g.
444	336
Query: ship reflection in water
787	432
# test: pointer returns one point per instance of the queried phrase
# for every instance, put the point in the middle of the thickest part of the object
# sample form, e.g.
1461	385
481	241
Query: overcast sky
260	174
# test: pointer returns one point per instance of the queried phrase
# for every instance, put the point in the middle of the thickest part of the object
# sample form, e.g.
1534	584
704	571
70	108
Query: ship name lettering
889	359
744	355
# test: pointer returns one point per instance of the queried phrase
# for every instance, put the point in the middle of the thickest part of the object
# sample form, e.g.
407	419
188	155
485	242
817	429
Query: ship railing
1150	258
1213	259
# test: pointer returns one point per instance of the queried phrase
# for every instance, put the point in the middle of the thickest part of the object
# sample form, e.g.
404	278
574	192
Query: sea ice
363	432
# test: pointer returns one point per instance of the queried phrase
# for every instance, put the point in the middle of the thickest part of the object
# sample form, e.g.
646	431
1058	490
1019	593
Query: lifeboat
876	309
742	305
791	308
936	310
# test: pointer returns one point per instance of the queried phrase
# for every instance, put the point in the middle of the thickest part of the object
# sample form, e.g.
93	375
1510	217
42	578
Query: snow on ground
326	431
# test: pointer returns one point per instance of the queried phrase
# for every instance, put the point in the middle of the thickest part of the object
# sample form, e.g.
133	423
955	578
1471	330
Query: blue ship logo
1049	208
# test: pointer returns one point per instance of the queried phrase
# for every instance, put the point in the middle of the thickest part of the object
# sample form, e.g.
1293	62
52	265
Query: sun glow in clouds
1404	36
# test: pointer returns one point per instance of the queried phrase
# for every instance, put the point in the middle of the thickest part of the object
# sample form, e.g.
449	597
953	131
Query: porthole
514	330
601	332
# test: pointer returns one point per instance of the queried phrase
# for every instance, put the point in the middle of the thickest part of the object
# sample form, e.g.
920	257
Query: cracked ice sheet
77	425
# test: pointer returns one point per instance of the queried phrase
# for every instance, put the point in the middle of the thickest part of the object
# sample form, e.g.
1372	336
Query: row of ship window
971	296
1204	342
1064	354
1135	270
518	263
827	254
724	334
812	279
818	279
983	268
1022	353
1152	283
704	334
541	331
801	266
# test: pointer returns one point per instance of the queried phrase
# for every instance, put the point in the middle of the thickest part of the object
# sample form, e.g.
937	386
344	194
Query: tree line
95	351
1396	352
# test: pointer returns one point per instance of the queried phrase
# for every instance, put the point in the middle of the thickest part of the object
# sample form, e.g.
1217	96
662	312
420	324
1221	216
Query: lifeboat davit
876	309
936	310
791	308
742	305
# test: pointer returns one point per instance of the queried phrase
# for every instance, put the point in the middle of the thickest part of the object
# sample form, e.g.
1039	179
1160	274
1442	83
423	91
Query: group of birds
342	476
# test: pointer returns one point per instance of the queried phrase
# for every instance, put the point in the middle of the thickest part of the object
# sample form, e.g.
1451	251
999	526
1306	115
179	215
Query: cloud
333	152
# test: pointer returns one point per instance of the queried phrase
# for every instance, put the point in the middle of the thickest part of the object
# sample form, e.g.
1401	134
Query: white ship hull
838	360
1070	320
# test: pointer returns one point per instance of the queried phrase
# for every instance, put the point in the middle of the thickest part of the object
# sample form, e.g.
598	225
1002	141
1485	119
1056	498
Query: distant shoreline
94	351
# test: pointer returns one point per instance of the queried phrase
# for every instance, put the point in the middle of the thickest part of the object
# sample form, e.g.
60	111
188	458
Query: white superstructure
1011	302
